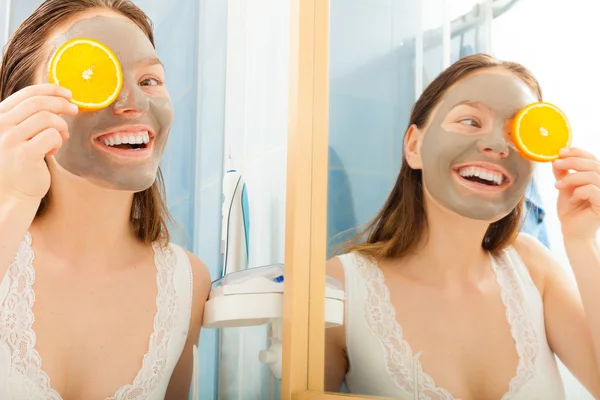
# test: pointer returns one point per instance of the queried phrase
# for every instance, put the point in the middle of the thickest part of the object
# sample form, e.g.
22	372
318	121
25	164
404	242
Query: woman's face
469	163
143	108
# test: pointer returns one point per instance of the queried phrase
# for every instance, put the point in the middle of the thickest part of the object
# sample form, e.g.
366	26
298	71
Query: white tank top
21	375
382	362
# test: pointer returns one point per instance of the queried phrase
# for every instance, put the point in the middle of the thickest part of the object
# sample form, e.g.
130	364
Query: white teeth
481	173
136	138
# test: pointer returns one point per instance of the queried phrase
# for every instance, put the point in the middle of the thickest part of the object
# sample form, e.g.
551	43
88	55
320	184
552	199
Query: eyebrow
150	61
478	105
471	103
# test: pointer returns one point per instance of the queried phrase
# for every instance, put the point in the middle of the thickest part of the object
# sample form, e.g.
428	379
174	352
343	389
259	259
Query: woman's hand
577	174
30	129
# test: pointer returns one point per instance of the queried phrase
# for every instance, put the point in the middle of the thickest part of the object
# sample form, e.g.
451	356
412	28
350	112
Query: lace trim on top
16	320
405	368
522	330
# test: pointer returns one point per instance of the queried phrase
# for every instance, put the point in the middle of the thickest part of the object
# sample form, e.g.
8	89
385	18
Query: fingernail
67	92
559	162
74	107
563	151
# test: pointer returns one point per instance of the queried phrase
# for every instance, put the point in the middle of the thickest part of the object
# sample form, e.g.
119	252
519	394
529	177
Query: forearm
584	257
15	220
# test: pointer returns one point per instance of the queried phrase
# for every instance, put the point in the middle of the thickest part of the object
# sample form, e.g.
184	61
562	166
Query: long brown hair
24	53
398	227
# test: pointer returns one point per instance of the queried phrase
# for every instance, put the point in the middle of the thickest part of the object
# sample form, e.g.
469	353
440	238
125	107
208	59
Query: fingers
38	123
35	104
44	143
33	110
583	184
577	179
577	164
47	89
590	193
574	159
575	152
559	173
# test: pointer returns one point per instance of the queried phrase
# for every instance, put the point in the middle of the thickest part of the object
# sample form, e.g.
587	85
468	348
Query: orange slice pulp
540	130
90	70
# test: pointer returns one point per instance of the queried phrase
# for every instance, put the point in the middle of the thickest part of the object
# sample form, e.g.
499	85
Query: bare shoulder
335	269
201	277
336	358
201	290
179	385
538	259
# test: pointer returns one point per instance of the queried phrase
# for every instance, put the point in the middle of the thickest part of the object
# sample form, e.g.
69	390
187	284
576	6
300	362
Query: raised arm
573	317
567	324
30	129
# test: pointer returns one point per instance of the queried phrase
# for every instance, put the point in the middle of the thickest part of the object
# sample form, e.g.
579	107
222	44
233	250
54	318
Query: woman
95	303
445	299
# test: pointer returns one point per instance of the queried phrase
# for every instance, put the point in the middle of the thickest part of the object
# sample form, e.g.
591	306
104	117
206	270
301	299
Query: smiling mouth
482	176
134	141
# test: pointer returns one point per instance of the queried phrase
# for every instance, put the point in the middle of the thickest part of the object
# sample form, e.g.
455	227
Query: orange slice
90	70
540	131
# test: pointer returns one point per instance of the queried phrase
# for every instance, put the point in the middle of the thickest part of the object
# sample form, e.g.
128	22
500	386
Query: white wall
557	41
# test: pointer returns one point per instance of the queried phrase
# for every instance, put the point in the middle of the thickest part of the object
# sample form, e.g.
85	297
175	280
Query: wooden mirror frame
306	205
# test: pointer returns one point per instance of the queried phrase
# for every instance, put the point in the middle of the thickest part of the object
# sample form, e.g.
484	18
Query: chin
129	186
478	210
488	216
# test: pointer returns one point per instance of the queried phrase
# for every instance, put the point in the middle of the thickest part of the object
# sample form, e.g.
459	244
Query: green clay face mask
120	147
470	165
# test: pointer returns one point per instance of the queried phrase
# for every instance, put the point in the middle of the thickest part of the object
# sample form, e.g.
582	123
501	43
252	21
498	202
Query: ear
412	147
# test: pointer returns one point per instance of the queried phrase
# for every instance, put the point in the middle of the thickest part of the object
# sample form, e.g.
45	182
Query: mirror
382	55
381	58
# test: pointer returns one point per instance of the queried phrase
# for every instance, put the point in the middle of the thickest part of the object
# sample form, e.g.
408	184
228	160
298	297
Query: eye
470	122
151	82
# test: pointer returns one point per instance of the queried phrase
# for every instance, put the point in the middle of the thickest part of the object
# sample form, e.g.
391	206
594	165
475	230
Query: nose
131	102
495	144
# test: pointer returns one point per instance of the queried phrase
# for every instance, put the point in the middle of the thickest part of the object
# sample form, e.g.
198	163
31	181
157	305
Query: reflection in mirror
452	289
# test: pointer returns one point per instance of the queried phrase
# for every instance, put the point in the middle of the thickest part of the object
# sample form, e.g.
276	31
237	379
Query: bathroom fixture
255	297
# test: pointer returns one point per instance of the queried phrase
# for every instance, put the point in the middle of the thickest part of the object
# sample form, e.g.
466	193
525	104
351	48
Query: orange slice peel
540	130
90	70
